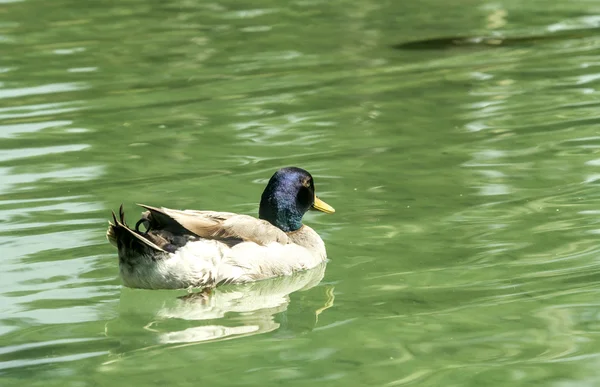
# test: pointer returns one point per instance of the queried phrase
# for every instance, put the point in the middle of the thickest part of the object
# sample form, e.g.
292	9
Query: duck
178	249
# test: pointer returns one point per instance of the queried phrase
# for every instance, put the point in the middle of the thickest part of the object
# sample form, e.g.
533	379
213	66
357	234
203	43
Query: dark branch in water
490	41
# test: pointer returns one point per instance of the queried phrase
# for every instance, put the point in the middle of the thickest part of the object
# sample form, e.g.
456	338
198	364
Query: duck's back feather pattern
215	225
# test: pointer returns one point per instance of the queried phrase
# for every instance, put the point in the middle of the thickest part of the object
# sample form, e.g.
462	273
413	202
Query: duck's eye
306	182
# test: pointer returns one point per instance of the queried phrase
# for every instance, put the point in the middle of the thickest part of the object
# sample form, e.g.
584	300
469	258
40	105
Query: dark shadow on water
480	42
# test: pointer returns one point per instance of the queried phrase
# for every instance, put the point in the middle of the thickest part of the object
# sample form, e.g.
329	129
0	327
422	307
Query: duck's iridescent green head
287	197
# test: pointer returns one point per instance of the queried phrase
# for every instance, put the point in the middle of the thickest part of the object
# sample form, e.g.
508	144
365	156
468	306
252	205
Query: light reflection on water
45	229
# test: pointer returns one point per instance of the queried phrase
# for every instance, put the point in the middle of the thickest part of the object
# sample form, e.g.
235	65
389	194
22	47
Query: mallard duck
182	249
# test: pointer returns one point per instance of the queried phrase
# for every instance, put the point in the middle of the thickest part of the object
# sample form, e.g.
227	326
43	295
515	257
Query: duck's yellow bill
322	206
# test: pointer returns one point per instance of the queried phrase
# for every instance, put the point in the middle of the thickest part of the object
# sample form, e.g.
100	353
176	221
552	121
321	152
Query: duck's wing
225	226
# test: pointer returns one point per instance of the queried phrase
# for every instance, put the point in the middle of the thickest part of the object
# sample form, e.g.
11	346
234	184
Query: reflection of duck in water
223	313
255	305
181	249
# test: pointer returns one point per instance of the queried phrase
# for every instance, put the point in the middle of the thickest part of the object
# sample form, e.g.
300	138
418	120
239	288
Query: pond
459	143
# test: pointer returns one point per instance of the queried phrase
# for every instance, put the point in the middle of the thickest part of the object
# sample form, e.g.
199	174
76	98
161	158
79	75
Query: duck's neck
281	211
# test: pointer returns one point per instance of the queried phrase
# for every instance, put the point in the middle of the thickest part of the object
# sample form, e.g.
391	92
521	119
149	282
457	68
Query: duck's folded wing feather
215	225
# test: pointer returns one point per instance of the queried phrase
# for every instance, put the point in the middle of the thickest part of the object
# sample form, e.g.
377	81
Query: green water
466	179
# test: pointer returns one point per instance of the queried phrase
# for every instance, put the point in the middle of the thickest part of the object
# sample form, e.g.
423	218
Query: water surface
465	179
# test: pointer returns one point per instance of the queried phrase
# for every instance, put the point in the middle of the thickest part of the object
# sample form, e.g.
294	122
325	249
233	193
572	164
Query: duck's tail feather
123	237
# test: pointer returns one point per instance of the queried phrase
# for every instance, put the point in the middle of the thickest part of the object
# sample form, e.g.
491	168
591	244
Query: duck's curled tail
130	241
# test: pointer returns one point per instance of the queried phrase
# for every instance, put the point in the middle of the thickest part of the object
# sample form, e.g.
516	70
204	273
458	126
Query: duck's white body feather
208	262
